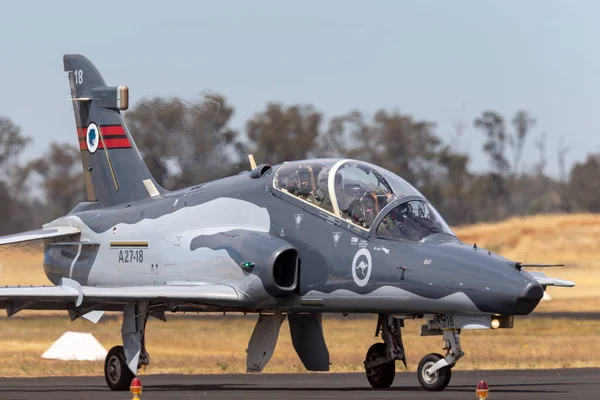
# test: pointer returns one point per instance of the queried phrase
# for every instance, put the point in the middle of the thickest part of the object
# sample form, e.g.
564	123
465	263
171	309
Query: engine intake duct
269	257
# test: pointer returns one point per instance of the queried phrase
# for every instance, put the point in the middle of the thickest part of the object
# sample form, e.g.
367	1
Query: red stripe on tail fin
112	137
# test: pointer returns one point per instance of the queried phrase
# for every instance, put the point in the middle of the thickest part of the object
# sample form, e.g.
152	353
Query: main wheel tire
439	379
381	376
117	374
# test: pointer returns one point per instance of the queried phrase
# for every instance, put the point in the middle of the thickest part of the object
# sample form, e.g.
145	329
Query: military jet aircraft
293	240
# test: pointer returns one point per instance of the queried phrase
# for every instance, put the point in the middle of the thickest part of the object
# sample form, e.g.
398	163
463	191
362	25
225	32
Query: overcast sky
443	61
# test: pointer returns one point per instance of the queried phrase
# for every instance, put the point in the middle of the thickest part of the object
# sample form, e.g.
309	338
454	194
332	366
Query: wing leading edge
18	298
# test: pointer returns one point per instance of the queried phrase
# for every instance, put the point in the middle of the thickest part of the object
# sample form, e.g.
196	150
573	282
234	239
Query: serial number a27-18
131	256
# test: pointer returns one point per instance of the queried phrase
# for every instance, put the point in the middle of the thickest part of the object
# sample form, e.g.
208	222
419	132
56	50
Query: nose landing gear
435	371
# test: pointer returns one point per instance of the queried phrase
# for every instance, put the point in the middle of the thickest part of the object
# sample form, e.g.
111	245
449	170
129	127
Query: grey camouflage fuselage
276	248
208	231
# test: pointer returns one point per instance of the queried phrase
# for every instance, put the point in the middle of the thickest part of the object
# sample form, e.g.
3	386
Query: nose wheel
435	371
433	381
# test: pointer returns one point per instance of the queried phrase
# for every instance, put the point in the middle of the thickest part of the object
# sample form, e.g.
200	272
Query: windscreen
412	220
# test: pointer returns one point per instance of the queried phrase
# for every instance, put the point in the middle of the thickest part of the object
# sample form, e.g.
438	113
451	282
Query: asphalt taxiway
571	384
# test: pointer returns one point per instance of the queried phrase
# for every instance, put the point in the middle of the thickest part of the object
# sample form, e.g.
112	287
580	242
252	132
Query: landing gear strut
435	371
122	362
380	365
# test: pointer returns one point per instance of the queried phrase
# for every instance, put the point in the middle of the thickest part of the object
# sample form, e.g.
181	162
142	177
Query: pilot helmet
322	178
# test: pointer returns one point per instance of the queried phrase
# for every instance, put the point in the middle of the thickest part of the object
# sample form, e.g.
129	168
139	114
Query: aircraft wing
207	292
16	298
544	280
45	233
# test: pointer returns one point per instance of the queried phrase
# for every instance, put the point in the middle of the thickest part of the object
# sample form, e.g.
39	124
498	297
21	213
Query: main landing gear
380	362
122	362
434	371
117	374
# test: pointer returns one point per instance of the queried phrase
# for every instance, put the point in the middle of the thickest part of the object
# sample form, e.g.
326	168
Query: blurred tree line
184	143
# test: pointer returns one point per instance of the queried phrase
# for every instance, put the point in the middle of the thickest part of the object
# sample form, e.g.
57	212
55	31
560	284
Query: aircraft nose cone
529	299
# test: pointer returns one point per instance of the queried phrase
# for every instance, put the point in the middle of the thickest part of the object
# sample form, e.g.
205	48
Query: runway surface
571	384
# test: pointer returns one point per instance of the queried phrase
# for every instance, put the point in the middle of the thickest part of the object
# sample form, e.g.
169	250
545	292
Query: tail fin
115	172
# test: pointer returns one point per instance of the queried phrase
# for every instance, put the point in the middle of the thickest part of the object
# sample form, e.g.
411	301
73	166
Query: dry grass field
209	345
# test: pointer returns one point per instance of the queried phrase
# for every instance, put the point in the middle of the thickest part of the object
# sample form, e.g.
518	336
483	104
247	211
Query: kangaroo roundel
92	138
361	267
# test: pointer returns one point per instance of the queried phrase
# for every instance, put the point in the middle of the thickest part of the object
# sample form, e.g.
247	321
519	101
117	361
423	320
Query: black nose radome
529	299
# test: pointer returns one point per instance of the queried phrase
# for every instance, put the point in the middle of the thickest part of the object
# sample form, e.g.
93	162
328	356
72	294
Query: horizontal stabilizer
46	233
546	281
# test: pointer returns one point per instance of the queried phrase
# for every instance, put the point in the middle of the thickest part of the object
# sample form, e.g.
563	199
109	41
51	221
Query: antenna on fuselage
252	162
520	265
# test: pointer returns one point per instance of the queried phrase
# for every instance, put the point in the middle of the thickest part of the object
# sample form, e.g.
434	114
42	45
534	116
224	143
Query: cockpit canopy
352	190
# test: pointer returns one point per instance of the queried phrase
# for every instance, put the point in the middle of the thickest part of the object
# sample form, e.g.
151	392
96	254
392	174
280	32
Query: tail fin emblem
91	138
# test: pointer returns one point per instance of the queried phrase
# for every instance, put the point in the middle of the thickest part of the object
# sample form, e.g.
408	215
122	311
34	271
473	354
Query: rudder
114	170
